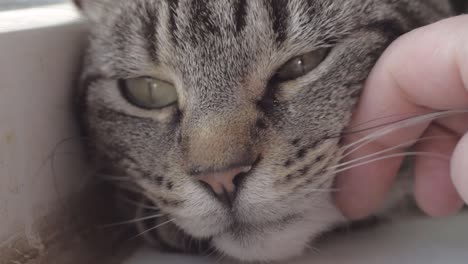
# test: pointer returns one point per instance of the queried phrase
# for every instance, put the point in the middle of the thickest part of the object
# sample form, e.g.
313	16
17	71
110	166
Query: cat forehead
132	35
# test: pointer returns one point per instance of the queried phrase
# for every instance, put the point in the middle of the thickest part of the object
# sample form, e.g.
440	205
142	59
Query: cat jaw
277	242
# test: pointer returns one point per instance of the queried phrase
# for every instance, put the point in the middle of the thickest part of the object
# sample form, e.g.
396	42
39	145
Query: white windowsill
45	16
40	54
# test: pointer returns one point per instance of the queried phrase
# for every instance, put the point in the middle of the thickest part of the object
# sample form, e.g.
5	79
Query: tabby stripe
391	28
201	17
173	6
150	25
121	40
240	13
312	10
279	15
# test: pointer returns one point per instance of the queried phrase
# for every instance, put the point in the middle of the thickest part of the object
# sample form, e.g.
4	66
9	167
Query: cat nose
224	183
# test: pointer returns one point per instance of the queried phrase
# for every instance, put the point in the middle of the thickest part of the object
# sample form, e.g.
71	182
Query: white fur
278	243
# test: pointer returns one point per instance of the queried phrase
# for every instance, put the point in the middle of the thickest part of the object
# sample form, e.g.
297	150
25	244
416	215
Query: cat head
228	114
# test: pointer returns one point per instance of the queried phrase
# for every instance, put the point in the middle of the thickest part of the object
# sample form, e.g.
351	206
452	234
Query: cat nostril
224	183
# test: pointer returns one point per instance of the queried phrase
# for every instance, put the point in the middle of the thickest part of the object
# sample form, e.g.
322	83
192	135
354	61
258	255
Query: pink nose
222	183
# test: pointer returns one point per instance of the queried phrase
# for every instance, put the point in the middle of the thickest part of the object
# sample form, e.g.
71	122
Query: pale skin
424	71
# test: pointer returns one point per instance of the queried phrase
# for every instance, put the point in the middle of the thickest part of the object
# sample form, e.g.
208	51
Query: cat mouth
235	236
242	229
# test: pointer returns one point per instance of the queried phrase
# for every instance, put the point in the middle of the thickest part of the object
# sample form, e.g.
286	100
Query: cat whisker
213	251
409	117
117	178
176	234
153	228
139	204
312	248
333	190
394	126
325	190
190	243
402	145
404	116
198	245
383	125
133	221
221	257
405	154
399	125
132	189
187	240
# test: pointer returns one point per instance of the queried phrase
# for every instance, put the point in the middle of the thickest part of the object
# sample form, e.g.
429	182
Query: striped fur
221	56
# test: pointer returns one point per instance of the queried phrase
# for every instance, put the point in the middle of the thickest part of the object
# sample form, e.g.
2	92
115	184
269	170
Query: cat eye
301	65
148	93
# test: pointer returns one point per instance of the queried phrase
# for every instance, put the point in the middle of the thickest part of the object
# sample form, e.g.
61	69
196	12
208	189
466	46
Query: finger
457	124
459	166
433	187
419	73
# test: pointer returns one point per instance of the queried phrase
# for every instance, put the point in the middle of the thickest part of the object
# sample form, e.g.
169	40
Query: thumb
422	72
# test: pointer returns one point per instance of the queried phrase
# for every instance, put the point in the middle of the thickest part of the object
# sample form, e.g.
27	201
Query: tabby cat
227	114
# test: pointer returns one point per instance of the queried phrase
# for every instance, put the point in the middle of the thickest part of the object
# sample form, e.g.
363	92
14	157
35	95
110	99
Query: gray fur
221	55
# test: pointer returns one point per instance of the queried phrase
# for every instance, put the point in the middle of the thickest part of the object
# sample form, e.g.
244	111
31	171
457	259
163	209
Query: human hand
423	72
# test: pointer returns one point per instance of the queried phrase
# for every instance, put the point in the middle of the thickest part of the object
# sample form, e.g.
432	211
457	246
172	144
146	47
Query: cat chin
265	239
274	243
268	245
201	229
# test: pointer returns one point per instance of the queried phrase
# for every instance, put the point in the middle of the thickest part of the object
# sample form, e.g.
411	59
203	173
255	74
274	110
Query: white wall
40	50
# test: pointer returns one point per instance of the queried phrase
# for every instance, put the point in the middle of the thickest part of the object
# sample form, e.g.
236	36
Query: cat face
228	114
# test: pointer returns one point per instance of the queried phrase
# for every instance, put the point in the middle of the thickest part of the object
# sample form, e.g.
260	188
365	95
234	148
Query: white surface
37	72
37	18
412	241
